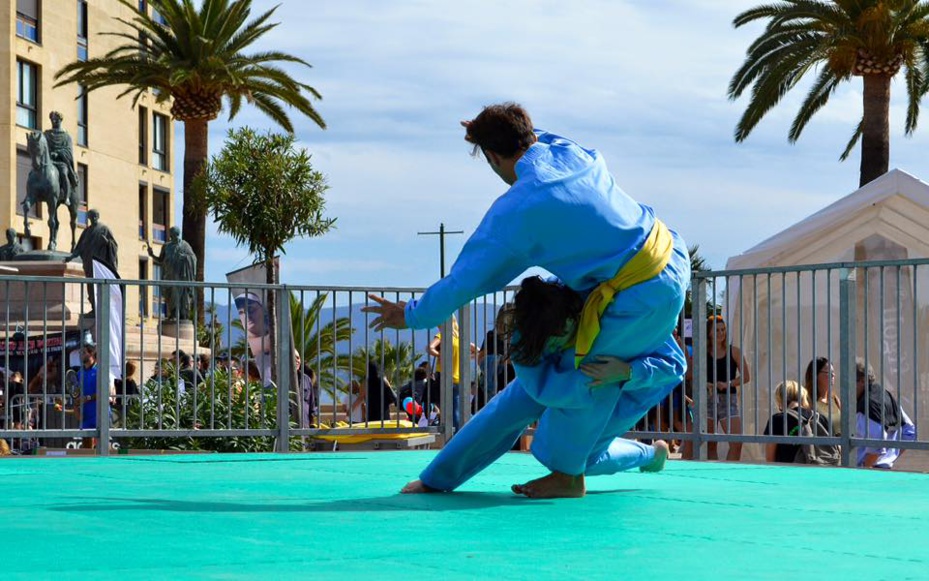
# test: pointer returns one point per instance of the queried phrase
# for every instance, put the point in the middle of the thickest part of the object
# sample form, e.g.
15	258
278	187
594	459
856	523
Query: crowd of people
811	408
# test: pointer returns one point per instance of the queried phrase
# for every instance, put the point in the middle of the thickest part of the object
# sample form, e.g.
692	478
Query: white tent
783	321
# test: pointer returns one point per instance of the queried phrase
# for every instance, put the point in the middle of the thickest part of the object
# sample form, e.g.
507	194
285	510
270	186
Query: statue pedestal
55	302
181	330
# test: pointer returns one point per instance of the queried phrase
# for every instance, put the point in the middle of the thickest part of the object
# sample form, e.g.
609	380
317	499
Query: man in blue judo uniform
563	212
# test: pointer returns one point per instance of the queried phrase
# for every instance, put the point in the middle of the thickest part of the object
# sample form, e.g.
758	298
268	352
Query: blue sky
642	81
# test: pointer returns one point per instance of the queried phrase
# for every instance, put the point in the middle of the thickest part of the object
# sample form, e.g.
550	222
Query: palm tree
697	264
396	362
872	39
196	57
317	342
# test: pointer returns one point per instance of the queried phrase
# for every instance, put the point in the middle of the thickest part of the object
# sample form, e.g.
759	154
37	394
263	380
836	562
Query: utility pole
441	234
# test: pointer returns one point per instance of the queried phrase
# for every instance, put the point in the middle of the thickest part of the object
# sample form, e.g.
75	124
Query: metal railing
780	319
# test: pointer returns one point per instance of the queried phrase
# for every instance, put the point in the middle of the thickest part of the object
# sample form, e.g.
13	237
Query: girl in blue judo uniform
565	213
541	322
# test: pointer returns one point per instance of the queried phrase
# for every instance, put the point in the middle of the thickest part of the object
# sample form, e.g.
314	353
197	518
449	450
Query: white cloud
644	82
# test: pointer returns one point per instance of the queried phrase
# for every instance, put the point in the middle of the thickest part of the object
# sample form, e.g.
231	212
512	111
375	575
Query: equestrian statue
52	179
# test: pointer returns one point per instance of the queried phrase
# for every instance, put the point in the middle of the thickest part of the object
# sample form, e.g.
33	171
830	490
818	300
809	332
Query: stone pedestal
183	331
56	302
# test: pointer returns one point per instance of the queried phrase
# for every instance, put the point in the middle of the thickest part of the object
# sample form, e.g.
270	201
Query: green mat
338	516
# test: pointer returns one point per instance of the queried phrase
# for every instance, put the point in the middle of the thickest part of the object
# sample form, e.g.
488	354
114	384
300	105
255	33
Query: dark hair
504	129
373	376
419	374
311	373
812	370
540	310
184	358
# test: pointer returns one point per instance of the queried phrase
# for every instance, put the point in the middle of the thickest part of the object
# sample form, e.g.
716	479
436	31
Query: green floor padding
338	516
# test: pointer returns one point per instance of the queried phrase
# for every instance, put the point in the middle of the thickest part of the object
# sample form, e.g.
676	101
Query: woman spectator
726	372
380	395
795	412
819	382
793	403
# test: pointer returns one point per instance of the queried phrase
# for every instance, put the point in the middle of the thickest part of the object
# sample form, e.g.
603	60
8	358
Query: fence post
698	338
285	368
464	362
102	322
446	381
848	305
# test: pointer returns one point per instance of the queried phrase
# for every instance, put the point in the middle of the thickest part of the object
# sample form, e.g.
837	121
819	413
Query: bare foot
417	487
555	485
661	456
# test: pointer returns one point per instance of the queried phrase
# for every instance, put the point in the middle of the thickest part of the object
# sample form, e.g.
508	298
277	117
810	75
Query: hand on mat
606	370
389	314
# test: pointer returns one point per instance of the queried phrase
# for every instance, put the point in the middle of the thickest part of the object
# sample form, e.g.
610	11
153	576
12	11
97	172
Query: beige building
122	154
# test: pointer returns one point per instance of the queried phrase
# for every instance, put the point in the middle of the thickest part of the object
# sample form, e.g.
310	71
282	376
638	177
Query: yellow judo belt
646	264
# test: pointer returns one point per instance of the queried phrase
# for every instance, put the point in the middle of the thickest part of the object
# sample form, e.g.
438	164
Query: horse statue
46	184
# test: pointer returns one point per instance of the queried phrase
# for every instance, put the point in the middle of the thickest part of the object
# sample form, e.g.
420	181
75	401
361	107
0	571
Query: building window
158	302
143	5
82	115
158	18
27	96
143	136
23	167
161	210
82	194
160	142
143	212
27	19
143	290
82	30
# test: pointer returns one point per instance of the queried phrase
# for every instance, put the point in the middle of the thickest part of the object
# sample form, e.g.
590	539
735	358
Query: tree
872	39
197	58
395	362
697	264
264	192
317	342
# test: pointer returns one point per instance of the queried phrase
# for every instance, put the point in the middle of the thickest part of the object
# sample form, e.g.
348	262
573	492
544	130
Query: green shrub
215	404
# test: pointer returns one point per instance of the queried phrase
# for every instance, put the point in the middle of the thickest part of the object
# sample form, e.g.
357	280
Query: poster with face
250	305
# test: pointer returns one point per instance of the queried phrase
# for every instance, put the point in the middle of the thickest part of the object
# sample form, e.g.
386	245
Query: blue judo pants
580	427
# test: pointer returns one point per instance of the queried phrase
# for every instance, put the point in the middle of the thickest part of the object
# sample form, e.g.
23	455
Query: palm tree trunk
875	128
196	135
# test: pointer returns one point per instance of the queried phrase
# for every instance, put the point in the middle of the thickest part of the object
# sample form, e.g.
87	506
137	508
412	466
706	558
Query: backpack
819	454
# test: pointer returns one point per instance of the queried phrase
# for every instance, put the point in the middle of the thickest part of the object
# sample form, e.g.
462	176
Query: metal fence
779	318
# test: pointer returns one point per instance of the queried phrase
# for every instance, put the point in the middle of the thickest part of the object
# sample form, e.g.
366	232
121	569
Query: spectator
188	376
416	387
203	365
793	403
223	361
309	385
251	372
726	372
435	350
681	402
819	381
879	417
354	403
87	404
47	377
492	358
16	392
380	395
126	389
